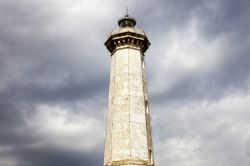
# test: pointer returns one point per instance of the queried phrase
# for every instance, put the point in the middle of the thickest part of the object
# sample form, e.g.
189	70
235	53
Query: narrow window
150	156
146	104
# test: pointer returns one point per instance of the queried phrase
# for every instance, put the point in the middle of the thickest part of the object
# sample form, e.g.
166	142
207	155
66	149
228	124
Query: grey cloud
49	60
48	155
226	16
40	67
35	63
231	74
215	133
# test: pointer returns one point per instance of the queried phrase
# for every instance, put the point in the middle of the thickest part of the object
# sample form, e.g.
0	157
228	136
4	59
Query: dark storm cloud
12	129
49	155
52	55
39	66
231	77
215	16
215	20
226	16
69	92
159	16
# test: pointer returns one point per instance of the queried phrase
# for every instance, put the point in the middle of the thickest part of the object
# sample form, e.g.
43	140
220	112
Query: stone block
135	65
121	85
137	109
121	109
121	62
138	140
135	85
120	141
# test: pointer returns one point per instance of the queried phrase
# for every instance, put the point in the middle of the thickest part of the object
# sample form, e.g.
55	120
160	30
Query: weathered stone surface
128	140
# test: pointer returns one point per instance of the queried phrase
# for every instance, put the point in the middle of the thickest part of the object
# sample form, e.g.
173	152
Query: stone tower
128	140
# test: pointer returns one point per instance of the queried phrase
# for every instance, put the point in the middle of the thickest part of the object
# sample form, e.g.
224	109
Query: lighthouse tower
128	140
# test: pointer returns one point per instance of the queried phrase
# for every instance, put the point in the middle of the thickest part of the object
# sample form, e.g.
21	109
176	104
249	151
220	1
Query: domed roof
127	35
127	24
127	29
127	21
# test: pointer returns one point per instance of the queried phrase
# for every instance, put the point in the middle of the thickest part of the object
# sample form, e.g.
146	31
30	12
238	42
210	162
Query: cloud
210	133
190	61
54	73
46	133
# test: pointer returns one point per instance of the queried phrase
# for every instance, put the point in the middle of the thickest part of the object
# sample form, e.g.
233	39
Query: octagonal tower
128	140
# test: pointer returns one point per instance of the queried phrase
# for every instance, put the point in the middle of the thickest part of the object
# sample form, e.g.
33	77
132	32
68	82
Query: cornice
127	39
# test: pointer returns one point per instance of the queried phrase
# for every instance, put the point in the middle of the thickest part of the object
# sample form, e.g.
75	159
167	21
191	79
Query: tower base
129	162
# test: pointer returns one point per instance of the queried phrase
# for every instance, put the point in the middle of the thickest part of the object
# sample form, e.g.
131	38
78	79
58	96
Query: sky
54	74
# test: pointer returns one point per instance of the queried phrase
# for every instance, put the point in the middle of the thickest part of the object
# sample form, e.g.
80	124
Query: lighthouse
128	138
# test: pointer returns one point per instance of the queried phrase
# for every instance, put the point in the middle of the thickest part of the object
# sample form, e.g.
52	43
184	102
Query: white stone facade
128	139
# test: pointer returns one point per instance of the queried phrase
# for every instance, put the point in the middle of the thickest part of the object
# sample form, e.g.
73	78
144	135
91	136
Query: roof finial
127	21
